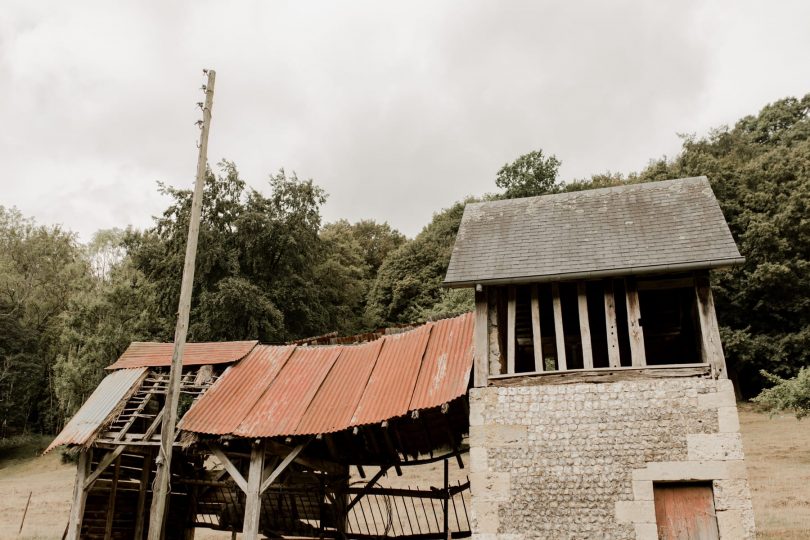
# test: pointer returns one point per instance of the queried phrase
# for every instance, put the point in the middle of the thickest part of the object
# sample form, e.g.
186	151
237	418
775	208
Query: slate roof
661	226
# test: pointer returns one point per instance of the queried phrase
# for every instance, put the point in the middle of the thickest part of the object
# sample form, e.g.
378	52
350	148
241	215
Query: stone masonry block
721	398
643	490
682	470
728	420
476	413
490	486
714	446
733	525
485	517
498	436
646	531
732	495
478	459
635	511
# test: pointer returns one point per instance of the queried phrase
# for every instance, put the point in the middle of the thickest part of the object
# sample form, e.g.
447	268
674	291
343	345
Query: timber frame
547	329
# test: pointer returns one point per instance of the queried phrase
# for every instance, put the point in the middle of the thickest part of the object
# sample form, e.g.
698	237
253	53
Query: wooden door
685	511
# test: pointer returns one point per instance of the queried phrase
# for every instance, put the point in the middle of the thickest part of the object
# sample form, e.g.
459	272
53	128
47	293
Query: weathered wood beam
711	349
584	325
79	496
253	493
230	467
111	500
282	450
662	284
599	375
143	487
511	316
614	357
559	331
537	337
637	354
280	468
369	485
481	345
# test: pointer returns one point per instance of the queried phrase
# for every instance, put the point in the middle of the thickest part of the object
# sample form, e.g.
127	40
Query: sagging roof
144	354
289	390
112	390
633	229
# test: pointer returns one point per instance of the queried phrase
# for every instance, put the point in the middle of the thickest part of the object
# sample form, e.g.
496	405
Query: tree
529	175
791	394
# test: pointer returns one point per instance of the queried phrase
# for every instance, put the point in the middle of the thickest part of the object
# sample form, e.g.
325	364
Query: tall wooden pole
164	459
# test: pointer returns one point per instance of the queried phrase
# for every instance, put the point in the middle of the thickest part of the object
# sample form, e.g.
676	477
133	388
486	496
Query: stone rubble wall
579	460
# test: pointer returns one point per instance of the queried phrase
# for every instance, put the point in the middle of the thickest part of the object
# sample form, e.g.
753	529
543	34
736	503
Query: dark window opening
668	321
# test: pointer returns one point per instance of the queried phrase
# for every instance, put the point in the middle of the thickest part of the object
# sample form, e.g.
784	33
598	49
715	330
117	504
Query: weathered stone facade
579	460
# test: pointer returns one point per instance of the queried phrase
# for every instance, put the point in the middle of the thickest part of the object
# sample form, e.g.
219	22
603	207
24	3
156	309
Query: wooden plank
367	488
79	496
559	332
143	487
597	375
637	355
102	466
584	325
511	315
230	467
111	500
711	349
481	362
253	495
685	510
537	337
281	467
662	284
614	357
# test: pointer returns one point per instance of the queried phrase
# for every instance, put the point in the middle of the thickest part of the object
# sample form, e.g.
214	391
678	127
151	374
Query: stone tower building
601	405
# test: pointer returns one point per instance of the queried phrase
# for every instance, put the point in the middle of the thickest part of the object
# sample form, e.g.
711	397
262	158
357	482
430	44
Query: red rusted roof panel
221	409
281	407
447	363
390	387
144	354
102	402
334	405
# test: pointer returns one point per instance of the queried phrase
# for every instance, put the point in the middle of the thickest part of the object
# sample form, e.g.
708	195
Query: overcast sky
397	109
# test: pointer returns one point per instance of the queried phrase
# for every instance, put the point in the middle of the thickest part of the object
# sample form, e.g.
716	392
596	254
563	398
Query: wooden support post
280	468
481	362
537	337
253	495
446	506
711	350
511	313
584	325
559	331
160	497
614	357
108	526
79	496
230	467
497	364
143	488
637	354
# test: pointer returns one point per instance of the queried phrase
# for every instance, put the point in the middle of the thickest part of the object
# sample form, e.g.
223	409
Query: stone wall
579	460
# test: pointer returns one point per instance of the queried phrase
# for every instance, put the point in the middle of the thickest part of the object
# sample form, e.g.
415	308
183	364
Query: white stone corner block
733	525
722	398
635	512
728	420
714	446
478	459
485	520
682	470
643	490
490	486
646	531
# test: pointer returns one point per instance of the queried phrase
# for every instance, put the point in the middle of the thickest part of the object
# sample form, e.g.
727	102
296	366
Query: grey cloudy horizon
397	109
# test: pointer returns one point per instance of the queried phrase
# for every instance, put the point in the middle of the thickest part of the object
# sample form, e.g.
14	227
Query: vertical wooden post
481	363
111	500
253	495
511	313
584	325
161	495
537	337
497	365
559	331
79	496
711	350
637	353
143	488
614	357
446	508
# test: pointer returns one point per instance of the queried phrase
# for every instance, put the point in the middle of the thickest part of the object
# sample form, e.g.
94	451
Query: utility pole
160	493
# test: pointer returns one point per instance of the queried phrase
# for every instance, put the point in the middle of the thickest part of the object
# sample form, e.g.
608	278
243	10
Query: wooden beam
711	349
584	325
662	284
614	357
511	312
637	355
537	337
111	500
281	467
230	467
601	375
79	496
370	484
102	466
559	331
143	487
253	494
331	467
481	345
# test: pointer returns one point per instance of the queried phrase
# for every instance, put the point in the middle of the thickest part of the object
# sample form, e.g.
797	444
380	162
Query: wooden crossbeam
559	331
614	357
230	467
281	467
637	355
370	484
584	325
537	337
511	316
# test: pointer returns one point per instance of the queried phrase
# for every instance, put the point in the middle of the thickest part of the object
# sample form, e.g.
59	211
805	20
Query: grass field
777	450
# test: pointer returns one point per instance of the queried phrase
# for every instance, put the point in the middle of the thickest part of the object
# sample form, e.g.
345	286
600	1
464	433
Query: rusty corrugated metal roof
283	391
98	407
145	354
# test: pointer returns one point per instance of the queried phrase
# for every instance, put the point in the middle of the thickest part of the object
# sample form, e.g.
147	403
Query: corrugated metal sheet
282	391
92	415
144	354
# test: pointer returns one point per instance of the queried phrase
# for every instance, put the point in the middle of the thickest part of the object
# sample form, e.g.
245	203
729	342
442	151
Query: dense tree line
269	269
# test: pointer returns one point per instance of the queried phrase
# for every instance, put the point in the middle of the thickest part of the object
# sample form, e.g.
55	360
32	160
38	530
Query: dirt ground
777	451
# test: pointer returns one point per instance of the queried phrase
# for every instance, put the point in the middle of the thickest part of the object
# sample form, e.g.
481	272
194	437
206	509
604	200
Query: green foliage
791	394
529	175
